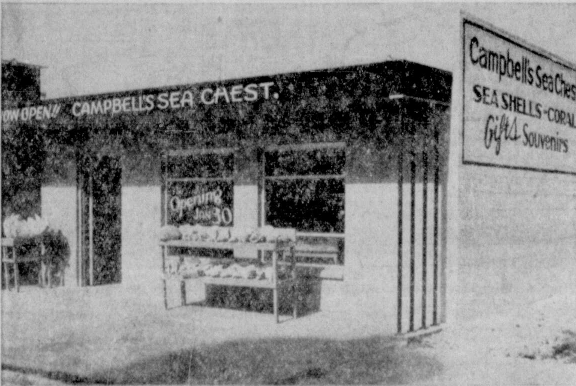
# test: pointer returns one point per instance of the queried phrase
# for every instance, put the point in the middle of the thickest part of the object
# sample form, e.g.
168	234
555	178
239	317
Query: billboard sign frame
519	102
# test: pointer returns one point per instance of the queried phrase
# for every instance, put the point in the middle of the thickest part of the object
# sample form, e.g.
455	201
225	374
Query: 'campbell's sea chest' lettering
505	65
145	103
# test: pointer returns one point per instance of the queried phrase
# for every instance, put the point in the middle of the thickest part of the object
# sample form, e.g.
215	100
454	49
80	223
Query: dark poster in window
200	202
305	189
210	165
307	205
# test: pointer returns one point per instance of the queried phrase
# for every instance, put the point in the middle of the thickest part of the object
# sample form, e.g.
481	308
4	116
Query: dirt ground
533	345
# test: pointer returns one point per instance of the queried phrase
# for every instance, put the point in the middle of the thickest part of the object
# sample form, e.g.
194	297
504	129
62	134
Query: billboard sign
519	103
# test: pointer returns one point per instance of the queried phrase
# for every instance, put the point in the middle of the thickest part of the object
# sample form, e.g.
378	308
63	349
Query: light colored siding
369	285
245	213
517	237
141	258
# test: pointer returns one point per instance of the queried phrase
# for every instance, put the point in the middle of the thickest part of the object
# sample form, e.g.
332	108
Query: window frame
223	151
343	176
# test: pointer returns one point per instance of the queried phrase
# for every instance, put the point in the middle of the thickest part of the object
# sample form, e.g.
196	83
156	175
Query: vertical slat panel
163	190
442	222
442	254
421	231
424	233
79	220
418	243
412	237
91	228
436	220
430	231
430	254
406	245
400	167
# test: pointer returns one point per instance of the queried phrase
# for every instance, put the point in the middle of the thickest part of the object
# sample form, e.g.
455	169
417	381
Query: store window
200	188
304	189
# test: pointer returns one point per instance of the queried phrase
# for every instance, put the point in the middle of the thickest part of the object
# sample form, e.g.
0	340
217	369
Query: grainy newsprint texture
258	193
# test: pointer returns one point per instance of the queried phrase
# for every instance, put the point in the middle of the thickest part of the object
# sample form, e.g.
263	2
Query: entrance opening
100	182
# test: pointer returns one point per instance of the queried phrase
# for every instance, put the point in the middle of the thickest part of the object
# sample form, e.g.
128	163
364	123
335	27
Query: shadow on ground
272	361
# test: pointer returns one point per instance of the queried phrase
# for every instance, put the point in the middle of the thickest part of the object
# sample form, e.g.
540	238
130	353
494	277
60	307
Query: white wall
245	213
368	288
517	238
141	258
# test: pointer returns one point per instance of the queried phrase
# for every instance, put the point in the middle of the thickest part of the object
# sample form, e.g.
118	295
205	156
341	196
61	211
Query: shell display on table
223	234
194	267
257	237
211	233
187	232
214	271
240	235
170	232
267	273
14	226
216	233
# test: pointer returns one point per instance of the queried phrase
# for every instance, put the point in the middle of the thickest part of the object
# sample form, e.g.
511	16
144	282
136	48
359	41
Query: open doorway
100	235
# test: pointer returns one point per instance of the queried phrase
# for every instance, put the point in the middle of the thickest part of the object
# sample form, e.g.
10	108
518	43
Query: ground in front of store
90	335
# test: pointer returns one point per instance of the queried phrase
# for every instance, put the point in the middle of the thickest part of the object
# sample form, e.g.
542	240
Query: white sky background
95	48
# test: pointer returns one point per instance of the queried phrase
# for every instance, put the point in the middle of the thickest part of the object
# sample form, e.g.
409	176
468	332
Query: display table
12	258
274	283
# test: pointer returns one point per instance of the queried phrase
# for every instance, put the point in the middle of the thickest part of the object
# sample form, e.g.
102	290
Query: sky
94	48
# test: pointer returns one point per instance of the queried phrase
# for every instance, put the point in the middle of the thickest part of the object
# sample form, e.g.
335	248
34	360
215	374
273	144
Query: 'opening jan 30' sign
204	203
519	103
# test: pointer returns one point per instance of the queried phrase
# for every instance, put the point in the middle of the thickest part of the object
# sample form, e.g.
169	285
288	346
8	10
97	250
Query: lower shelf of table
233	282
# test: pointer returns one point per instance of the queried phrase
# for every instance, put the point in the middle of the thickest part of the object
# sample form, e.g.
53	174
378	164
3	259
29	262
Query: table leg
43	275
294	289
49	274
16	273
40	275
183	292
275	291
294	278
42	267
294	301
164	274
6	277
275	278
16	276
165	296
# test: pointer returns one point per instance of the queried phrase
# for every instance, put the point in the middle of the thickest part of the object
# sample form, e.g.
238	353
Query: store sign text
520	70
166	100
176	99
519	105
202	206
31	113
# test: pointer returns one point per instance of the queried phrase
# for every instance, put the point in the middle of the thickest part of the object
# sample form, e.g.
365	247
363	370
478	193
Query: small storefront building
354	158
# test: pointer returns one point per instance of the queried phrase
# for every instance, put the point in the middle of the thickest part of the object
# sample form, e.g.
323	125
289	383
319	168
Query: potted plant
55	257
